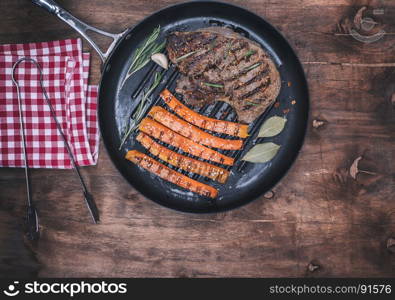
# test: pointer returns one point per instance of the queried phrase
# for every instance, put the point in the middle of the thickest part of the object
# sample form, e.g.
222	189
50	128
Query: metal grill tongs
32	219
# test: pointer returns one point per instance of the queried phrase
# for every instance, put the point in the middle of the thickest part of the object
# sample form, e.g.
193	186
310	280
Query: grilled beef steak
220	65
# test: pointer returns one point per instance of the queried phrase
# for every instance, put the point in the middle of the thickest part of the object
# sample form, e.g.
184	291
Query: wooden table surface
320	216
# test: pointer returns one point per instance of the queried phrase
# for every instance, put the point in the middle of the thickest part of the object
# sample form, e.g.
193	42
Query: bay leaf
261	153
354	167
272	126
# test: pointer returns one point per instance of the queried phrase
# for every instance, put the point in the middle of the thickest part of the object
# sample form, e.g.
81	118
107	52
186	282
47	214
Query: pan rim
216	209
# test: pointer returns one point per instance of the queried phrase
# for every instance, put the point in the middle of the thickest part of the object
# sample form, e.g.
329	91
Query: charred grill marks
224	58
256	90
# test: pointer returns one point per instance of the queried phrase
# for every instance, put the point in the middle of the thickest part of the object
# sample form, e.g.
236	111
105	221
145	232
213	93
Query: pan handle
52	7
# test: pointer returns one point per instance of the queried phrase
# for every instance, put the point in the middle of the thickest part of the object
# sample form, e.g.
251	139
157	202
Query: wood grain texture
318	214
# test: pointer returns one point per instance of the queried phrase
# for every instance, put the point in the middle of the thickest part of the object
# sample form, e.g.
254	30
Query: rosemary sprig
141	63
147	45
252	67
143	54
249	53
141	108
185	56
252	103
213	84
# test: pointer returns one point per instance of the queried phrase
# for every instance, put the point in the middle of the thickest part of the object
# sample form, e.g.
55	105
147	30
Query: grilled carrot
168	174
172	138
183	162
192	132
220	126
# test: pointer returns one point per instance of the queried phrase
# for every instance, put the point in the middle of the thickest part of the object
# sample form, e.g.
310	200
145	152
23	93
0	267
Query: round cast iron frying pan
248	181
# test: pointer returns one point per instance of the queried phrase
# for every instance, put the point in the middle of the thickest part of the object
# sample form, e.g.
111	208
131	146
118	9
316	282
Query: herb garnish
252	103
142	56
249	53
262	153
272	126
252	67
141	109
185	56
216	85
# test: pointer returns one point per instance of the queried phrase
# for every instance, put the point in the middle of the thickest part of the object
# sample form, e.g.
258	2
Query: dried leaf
312	267
269	195
261	153
272	126
317	123
358	17
354	167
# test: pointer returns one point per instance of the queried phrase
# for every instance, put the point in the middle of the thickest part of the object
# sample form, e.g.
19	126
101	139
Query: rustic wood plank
319	213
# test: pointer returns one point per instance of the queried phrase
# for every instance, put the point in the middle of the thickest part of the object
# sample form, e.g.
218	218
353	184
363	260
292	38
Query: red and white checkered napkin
65	70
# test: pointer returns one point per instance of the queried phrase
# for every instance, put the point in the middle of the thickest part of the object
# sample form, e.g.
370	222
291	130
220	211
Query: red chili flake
293	102
285	111
277	104
289	83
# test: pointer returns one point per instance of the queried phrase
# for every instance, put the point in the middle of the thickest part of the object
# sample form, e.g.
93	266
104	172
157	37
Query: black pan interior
247	181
